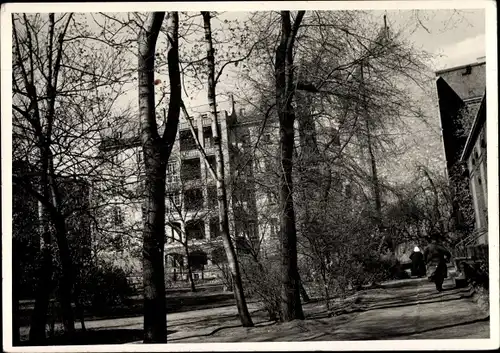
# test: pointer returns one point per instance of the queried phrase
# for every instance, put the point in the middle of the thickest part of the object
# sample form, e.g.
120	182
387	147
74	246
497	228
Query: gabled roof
445	91
459	67
479	121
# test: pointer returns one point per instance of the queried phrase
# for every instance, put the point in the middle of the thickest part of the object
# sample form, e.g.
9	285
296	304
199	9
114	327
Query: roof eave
478	123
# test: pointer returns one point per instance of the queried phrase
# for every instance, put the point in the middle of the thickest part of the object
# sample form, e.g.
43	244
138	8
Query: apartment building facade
192	220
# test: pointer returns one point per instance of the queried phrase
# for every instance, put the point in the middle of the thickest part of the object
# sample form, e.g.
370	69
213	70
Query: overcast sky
454	37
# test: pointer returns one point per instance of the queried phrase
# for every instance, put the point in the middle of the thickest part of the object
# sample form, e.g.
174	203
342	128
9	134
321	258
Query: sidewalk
413	311
408	309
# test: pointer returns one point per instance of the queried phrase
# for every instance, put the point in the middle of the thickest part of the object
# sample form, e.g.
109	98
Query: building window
175	229
198	260
208	137
212	163
242	245
214	228
218	256
252	232
172	173
212	196
274	226
191	169
193	199
195	230
117	216
186	140
173	201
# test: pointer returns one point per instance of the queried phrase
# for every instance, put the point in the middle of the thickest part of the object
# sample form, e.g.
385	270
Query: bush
105	285
262	281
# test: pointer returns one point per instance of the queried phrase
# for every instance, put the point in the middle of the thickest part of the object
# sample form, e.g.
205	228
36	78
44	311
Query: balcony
189	154
206	121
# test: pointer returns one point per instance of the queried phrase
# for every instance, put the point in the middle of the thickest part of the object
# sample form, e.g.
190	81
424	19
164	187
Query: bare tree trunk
43	289
155	324
156	150
325	286
59	223
303	291
373	163
239	295
67	278
291	307
45	271
190	271
79	307
16	275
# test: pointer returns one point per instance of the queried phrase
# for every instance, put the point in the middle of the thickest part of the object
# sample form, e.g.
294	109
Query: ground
412	311
409	309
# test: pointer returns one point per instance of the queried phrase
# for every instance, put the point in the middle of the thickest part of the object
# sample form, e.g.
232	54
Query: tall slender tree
290	295
243	312
156	150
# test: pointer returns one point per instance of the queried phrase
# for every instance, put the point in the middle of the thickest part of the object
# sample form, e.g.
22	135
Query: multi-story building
461	92
474	156
192	229
192	220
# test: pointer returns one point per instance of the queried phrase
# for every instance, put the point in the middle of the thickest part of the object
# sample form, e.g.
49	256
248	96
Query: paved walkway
412	311
409	310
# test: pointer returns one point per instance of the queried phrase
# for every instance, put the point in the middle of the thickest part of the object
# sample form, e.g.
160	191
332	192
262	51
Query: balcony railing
192	153
206	121
210	150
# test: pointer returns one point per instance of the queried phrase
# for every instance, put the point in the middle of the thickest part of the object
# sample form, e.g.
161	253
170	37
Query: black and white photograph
279	175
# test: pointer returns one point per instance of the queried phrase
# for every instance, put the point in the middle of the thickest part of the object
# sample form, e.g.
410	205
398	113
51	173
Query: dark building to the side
462	107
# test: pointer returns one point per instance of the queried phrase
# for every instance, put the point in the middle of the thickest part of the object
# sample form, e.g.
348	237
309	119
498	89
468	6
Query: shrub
262	281
105	285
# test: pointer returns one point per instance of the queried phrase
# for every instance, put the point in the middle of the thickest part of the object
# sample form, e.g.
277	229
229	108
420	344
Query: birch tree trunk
239	295
291	307
156	150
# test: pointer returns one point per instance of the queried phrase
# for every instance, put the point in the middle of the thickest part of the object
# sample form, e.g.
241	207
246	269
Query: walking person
417	263
436	256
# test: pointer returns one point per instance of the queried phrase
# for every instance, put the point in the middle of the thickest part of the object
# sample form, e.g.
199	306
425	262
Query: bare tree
56	95
290	296
156	151
244	314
